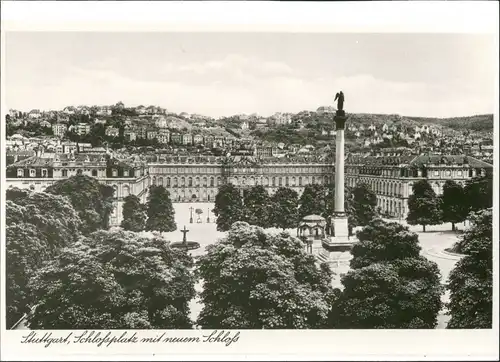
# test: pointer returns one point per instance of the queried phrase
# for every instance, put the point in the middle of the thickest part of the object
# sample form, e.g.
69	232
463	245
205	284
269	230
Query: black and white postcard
249	181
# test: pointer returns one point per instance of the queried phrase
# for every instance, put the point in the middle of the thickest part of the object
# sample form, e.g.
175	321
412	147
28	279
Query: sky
221	74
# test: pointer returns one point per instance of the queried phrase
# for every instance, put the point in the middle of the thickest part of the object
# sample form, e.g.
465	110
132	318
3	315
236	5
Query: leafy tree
390	285
312	200
114	280
471	281
424	205
284	212
38	225
257	206
254	280
364	202
382	241
228	207
92	200
160	210
479	193
134	218
403	294
453	203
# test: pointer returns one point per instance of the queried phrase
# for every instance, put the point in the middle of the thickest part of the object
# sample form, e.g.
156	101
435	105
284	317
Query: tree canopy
254	279
228	207
364	204
479	193
471	281
390	284
92	200
134	217
160	212
424	205
257	206
312	200
114	280
454	205
284	208
38	225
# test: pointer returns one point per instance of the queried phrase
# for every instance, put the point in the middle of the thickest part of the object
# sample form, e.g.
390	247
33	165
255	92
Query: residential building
112	132
187	139
82	129
59	129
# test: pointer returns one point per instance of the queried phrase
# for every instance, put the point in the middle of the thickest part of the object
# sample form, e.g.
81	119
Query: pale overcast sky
216	74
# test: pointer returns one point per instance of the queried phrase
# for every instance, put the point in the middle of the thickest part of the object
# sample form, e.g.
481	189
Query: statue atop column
340	103
340	117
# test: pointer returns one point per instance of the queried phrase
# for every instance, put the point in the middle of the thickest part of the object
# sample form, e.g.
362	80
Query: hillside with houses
308	132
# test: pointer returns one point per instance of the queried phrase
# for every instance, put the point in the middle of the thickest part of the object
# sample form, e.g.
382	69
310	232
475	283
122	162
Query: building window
211	182
436	173
65	173
32	173
168	181
125	173
448	172
94	173
190	182
45	173
20	172
459	173
114	172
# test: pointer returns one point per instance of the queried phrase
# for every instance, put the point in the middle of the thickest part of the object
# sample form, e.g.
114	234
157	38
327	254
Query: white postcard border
438	17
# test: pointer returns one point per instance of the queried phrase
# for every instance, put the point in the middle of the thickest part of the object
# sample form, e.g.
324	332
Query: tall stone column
339	164
336	248
340	218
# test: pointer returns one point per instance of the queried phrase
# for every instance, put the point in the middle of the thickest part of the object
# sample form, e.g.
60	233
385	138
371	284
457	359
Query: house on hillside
69	110
35	114
112	132
129	135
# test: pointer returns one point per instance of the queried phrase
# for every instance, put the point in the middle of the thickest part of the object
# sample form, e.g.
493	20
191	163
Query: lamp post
208	216
191	215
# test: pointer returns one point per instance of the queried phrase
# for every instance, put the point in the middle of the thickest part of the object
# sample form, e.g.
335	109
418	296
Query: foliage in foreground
254	280
471	281
92	200
38	225
390	285
114	280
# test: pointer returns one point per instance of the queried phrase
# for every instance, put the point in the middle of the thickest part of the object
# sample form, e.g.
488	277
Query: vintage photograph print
225	182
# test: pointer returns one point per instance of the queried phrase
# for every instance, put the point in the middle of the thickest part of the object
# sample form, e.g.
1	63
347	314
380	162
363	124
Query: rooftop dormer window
20	172
125	173
114	172
32	172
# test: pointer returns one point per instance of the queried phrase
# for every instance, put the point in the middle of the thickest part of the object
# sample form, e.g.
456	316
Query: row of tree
454	205
284	209
157	214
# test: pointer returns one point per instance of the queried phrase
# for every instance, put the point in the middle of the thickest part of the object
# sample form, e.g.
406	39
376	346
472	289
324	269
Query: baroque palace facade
128	176
197	178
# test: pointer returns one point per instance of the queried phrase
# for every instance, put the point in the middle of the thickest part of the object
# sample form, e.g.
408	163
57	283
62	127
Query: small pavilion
312	231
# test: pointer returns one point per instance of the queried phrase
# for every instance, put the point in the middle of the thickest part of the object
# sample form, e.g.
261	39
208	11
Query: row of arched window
240	181
186	181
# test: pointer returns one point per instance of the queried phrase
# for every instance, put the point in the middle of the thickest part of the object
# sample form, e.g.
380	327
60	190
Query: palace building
191	178
127	176
392	176
197	178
